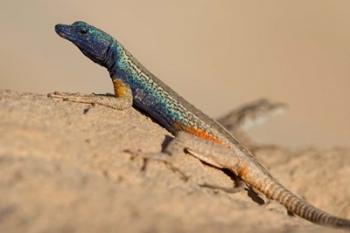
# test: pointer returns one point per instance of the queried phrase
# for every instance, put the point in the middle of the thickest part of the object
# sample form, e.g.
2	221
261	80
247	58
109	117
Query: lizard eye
83	31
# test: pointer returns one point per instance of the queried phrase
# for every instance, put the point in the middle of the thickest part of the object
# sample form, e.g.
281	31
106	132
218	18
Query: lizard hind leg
209	152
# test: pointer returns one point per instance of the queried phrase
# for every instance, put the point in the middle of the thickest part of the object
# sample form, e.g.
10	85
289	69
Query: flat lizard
199	135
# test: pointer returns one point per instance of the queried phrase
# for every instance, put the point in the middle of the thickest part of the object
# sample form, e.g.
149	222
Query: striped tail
267	185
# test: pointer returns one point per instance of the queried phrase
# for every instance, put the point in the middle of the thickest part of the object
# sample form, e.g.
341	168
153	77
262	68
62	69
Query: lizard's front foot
108	100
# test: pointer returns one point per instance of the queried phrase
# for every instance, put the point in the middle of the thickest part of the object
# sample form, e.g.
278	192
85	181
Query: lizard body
165	106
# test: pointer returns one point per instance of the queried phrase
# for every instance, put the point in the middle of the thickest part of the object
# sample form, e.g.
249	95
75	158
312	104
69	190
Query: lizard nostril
58	27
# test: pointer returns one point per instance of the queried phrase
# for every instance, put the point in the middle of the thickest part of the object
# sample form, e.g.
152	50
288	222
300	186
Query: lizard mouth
64	31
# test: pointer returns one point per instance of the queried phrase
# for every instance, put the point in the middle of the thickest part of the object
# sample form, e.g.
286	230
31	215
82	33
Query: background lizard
201	136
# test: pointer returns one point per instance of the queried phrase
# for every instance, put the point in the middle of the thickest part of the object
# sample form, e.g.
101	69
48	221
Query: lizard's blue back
158	100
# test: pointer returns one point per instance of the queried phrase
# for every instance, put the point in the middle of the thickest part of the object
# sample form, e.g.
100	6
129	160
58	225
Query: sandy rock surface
69	167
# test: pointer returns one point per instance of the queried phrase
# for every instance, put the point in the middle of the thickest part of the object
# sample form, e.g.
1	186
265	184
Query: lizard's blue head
93	42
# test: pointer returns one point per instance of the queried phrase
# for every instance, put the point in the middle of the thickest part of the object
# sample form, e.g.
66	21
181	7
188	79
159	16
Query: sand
69	167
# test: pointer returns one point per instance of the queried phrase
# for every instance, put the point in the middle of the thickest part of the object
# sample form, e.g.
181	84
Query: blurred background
217	54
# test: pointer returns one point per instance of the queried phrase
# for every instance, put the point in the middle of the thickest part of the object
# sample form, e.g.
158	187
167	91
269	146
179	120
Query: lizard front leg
121	90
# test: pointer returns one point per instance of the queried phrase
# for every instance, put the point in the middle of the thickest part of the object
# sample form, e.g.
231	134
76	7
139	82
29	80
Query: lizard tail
275	191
